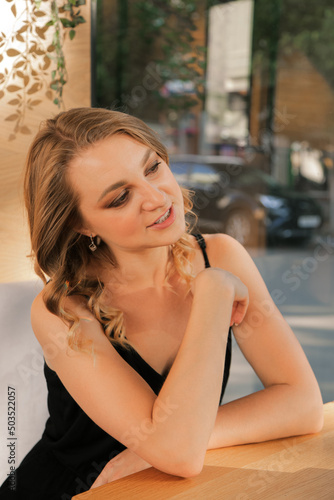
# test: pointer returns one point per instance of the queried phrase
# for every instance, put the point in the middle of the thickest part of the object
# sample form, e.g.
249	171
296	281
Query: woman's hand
225	284
124	464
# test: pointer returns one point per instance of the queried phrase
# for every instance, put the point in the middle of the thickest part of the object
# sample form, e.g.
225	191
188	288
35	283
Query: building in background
228	75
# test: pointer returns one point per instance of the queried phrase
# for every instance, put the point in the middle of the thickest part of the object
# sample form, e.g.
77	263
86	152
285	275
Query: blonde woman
135	317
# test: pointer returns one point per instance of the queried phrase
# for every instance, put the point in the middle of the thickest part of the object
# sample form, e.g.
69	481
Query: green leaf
54	86
80	19
53	74
72	34
56	101
66	23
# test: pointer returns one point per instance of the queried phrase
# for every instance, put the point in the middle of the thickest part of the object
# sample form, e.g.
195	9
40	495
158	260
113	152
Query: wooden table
296	468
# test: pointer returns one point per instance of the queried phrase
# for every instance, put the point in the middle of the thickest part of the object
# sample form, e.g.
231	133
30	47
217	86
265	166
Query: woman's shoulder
222	247
227	253
44	322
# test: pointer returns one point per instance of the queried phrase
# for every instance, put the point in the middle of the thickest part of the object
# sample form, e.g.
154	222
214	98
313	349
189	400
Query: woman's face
128	195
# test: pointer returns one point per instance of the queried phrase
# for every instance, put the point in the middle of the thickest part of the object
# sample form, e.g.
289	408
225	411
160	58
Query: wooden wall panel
14	242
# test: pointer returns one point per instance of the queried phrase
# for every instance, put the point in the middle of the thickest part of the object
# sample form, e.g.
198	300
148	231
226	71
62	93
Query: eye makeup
124	196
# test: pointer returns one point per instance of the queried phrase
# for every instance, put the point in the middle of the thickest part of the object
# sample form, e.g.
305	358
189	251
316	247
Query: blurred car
219	207
245	202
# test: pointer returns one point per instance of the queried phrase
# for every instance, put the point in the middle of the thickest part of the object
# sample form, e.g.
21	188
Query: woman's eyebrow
121	183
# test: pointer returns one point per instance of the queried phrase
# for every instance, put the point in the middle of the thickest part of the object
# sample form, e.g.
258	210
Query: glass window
180	171
203	175
252	81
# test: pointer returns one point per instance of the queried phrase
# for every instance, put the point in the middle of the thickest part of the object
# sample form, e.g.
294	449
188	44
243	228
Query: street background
304	281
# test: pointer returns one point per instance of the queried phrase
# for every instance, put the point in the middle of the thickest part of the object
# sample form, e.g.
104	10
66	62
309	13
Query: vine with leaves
29	72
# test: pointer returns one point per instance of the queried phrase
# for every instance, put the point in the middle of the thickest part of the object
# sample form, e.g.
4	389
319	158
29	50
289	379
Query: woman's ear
84	231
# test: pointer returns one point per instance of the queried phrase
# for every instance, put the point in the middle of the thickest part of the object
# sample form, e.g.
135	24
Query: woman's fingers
239	312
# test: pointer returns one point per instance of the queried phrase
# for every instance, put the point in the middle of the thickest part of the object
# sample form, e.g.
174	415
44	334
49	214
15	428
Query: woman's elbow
314	415
316	422
191	469
186	470
183	465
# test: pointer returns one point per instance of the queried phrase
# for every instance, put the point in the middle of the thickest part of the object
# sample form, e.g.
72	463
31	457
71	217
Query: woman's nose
153	197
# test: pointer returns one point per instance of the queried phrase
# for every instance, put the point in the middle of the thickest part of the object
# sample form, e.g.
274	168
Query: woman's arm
117	399
290	403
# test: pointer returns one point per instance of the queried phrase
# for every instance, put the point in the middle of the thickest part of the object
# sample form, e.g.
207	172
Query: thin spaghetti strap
202	244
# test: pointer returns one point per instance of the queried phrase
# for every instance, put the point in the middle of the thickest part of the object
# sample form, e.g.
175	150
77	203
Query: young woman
135	317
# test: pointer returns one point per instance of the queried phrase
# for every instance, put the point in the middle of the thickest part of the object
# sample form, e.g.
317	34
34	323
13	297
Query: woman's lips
165	222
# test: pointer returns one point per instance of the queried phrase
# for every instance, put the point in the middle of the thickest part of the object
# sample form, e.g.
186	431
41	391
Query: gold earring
92	245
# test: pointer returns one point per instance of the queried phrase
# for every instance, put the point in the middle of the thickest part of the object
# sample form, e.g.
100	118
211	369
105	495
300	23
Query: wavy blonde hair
59	251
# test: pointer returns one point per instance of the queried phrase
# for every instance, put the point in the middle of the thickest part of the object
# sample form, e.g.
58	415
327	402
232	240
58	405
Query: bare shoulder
227	253
224	251
48	326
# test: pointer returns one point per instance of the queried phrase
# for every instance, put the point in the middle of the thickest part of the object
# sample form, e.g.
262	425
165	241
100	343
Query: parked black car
245	202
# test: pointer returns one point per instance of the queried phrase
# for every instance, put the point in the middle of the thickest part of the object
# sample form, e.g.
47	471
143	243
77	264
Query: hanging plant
31	60
60	24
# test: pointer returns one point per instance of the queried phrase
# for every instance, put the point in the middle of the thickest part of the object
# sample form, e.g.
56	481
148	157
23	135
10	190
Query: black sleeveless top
73	448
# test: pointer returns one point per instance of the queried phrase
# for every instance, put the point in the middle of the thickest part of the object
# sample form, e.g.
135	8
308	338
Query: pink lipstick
165	220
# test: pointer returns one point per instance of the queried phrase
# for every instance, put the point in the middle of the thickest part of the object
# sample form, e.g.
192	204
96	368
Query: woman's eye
120	200
154	167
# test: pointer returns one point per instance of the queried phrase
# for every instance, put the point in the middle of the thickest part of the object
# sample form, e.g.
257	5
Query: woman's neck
137	271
